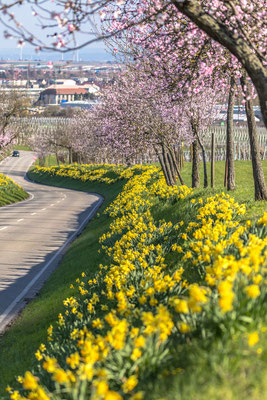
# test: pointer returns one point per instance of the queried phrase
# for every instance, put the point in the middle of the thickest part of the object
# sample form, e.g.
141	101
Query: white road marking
21	219
7	311
33	213
43	209
51	205
4	227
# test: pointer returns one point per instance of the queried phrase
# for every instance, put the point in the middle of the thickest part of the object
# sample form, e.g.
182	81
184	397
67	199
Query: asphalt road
34	234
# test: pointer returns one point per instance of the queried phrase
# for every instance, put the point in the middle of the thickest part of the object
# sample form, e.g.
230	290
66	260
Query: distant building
15	83
58	94
91	88
65	82
79	104
239	114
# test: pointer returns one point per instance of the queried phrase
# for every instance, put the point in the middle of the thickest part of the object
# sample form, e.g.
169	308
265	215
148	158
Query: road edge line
7	311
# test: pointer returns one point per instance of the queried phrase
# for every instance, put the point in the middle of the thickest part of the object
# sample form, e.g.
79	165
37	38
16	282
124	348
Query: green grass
204	375
48	161
24	147
244	192
219	371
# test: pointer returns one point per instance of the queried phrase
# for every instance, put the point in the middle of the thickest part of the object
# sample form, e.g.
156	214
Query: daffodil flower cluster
9	188
126	322
104	173
6	183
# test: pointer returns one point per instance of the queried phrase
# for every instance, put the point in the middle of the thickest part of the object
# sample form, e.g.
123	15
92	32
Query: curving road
35	233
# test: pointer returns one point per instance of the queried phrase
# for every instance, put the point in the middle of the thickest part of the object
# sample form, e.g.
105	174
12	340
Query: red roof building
57	95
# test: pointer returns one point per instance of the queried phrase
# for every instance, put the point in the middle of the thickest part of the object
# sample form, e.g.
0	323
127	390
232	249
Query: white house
58	94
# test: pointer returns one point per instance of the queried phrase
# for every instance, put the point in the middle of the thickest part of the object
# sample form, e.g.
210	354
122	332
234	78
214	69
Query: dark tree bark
166	176
234	43
180	157
171	165
195	165
176	166
194	126
168	166
230	152
226	172
57	158
212	164
70	155
258	175
164	162
204	162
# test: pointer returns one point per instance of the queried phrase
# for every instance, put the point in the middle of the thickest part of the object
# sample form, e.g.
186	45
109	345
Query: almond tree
136	117
238	25
12	104
188	60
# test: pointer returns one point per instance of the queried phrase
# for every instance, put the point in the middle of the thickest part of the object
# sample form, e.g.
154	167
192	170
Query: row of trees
12	105
183	57
179	58
239	26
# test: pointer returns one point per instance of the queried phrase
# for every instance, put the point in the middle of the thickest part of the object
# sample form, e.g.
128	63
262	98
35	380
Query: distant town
52	86
57	83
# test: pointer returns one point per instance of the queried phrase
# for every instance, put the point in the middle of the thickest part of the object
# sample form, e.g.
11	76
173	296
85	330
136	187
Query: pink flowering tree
238	25
187	60
12	105
136	117
192	71
73	139
52	138
85	140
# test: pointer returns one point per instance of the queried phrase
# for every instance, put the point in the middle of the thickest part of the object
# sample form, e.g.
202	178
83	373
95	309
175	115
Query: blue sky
9	48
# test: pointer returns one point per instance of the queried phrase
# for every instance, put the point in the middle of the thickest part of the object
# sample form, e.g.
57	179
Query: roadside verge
20	341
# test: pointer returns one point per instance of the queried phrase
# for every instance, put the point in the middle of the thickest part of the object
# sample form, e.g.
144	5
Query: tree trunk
226	172
166	176
212	164
171	165
70	155
57	158
258	175
204	163
168	167
176	166
236	45
180	157
194	126
195	165
230	152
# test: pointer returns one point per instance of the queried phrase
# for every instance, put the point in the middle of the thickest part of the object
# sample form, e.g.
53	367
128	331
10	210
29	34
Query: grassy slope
12	194
19	343
216	372
244	192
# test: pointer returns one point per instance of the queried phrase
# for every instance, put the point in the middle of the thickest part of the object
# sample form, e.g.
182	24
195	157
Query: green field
221	370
